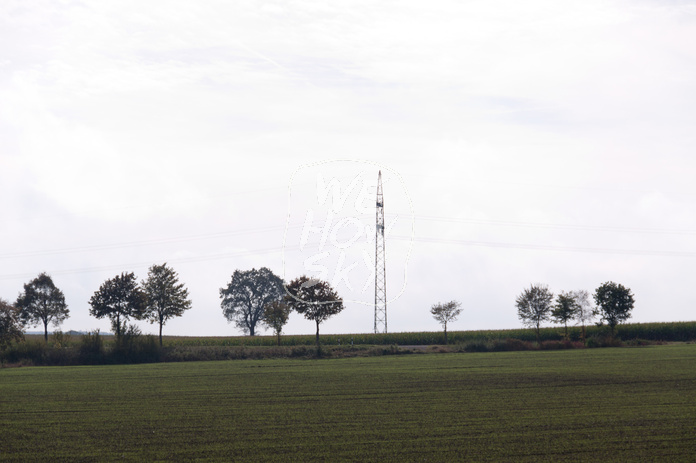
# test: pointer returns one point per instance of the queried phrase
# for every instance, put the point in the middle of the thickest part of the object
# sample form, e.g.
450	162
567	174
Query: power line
557	226
133	265
541	247
128	244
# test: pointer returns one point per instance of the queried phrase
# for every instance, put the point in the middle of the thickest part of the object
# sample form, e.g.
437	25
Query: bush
133	347
25	353
557	345
60	340
512	344
477	346
91	349
603	340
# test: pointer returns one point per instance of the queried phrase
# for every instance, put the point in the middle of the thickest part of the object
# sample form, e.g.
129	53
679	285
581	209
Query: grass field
627	404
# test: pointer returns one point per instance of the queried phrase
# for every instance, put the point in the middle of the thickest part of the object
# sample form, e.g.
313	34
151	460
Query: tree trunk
318	335
566	329
538	334
160	333
446	334
45	322
278	338
583	333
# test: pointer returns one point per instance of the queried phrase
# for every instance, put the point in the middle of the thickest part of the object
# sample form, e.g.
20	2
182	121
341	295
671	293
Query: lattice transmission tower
380	264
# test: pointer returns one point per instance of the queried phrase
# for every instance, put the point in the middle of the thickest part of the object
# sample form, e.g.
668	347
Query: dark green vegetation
575	405
668	332
64	349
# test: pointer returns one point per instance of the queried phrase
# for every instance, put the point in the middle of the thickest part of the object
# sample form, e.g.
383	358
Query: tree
119	299
585	313
315	299
275	316
533	307
166	297
246	296
42	302
10	324
614	304
445	313
564	310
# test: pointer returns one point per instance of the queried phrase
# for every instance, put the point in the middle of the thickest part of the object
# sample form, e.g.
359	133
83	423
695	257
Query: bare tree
445	313
585	313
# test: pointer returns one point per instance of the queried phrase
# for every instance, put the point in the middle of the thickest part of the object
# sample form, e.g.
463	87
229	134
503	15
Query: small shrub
60	340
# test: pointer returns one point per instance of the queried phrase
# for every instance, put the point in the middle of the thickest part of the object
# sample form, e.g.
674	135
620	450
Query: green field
626	404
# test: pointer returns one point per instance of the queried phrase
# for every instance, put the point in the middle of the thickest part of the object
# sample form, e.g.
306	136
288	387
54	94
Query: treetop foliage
315	299
246	296
166	297
614	303
10	324
120	299
42	302
446	312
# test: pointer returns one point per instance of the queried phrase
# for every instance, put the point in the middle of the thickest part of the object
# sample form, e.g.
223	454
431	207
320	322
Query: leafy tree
275	316
534	306
445	313
166	297
585	314
315	299
245	297
42	302
564	310
614	304
119	299
10	324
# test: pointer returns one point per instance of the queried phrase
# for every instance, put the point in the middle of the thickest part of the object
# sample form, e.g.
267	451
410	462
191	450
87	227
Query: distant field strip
628	404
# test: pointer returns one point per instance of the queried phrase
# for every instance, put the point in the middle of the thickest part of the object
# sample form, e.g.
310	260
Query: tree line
535	305
251	299
613	305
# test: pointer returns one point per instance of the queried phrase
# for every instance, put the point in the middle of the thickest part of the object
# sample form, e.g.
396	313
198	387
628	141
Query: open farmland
574	405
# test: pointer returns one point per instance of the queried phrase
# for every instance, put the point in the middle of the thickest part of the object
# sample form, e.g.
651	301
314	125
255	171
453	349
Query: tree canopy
445	313
315	299
275	316
564	310
119	299
534	306
166	297
614	304
244	298
42	303
10	324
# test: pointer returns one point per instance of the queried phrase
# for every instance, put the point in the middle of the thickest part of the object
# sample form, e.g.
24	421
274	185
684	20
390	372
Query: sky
519	143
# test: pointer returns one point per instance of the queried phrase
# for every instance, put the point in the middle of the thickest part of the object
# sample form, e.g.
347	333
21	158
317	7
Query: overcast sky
519	142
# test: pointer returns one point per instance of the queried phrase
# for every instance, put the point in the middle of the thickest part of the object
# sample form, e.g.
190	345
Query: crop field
626	404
